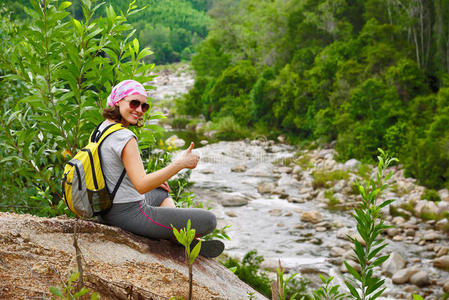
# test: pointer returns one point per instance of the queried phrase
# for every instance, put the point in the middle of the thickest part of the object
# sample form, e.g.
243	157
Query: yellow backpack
83	184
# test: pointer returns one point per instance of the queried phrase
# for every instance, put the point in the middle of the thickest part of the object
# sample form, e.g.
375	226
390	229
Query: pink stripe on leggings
140	206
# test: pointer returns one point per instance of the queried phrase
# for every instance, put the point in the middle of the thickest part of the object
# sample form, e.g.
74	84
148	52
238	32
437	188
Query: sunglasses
134	104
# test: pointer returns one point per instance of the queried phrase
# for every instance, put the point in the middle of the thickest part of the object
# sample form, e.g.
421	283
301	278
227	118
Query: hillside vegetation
365	74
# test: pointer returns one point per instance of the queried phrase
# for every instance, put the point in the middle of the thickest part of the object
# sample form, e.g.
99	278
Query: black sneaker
210	248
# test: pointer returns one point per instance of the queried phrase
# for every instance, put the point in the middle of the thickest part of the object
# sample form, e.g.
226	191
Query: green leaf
380	260
385	203
375	251
353	272
56	291
64	5
372	288
80	293
352	290
136	45
195	252
417	297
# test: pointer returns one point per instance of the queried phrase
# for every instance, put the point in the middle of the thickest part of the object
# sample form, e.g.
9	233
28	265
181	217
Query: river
229	178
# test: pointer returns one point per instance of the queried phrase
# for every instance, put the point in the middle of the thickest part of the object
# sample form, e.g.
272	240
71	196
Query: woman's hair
113	113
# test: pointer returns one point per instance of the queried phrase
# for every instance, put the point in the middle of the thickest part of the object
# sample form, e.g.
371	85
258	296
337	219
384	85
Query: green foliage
328	292
248	271
363	73
283	284
57	72
431	195
370	225
69	291
227	128
322	177
185	237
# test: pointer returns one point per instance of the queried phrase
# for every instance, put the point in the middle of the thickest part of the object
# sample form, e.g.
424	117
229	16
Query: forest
365	74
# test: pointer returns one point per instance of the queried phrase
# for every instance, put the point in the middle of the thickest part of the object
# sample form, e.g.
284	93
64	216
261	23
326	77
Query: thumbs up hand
188	159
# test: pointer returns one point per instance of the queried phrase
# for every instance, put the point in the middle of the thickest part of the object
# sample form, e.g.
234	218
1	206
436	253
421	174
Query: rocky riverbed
272	196
294	205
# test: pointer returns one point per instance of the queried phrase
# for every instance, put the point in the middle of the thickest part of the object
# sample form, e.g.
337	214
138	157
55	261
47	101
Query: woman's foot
210	248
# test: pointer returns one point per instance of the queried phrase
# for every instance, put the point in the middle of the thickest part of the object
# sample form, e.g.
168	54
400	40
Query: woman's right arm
146	182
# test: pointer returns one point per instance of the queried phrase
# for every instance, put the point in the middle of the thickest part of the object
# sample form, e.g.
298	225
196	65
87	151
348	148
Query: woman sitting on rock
142	204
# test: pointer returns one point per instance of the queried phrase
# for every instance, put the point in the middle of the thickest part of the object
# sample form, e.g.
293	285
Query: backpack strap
118	184
99	138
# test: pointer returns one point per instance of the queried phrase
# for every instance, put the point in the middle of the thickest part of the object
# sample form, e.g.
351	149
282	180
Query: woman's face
130	116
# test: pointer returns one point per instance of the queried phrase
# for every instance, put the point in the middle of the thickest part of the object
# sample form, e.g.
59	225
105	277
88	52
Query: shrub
321	177
431	195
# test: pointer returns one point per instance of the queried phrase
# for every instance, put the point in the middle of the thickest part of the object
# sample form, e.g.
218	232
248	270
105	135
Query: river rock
287	179
446	286
297	199
352	164
313	216
424	206
283	169
297	170
275	212
238	168
444	195
398	220
442	262
232	200
337	252
175	141
443	207
339	186
442	224
261	170
431	235
393	264
392	232
403	276
266	187
420	278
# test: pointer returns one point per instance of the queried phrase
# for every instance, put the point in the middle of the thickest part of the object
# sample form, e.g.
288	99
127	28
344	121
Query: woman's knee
209	222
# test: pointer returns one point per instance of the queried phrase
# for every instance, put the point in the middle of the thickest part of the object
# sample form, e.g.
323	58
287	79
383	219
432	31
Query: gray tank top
111	156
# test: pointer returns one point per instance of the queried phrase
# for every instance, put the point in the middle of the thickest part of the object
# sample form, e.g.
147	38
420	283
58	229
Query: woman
142	204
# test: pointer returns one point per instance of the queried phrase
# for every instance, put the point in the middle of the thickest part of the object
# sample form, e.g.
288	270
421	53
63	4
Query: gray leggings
148	219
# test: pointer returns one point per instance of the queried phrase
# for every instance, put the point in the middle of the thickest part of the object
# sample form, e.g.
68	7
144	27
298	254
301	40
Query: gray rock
442	262
287	179
297	199
441	224
446	286
231	214
232	200
443	207
444	195
398	220
313	216
393	264
424	206
392	232
339	186
262	170
403	276
175	141
297	170
352	164
337	252
266	187
431	235
420	278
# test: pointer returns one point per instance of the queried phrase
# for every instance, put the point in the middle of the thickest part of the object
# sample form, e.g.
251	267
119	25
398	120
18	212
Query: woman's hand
188	159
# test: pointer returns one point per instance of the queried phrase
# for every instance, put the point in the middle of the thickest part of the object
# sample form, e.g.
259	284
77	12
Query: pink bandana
124	89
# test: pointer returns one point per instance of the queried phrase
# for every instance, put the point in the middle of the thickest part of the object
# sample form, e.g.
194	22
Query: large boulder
37	252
